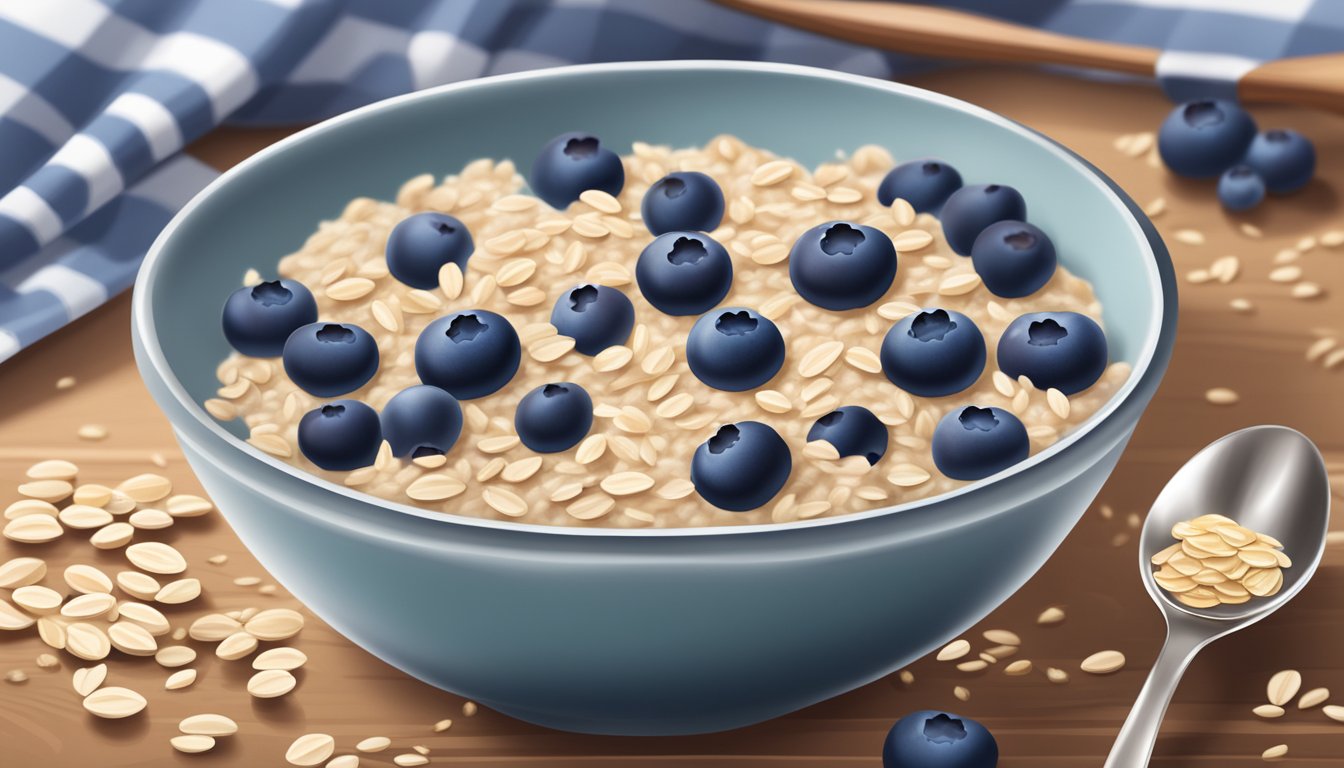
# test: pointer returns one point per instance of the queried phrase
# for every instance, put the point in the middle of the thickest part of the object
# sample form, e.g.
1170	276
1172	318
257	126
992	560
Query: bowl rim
1160	334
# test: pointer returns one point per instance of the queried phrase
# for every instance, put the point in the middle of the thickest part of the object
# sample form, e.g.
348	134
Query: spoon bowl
1269	479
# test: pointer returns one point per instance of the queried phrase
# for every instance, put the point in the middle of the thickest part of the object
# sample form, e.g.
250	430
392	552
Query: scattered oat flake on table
1222	396
1189	236
1103	663
1313	698
1275	752
92	432
1283	686
114	702
310	749
1268	711
954	650
962	693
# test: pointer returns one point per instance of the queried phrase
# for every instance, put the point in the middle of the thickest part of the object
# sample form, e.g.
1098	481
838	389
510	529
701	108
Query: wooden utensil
1314	81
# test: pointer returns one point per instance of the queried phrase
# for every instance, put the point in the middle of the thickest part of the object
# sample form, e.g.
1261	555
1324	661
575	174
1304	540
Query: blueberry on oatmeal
842	265
595	316
1013	258
421	244
1061	350
684	273
330	359
554	417
1285	159
924	184
1201	139
933	353
684	200
341	435
471	353
854	431
259	318
421	421
734	349
741	467
572	163
932	739
1240	188
970	443
971	209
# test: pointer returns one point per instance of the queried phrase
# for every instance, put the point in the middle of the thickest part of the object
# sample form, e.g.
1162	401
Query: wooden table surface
349	694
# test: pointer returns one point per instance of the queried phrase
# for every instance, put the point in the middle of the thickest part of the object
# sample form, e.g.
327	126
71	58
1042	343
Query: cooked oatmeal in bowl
674	338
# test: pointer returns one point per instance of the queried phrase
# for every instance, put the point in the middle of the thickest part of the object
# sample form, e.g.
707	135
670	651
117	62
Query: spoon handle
1134	745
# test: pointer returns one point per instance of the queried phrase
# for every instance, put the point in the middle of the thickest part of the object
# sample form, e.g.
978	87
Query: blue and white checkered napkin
97	98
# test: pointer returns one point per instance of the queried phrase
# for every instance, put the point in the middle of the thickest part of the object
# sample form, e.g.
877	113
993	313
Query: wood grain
347	693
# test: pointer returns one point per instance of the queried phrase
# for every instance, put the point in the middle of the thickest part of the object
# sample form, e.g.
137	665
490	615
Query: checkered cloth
97	98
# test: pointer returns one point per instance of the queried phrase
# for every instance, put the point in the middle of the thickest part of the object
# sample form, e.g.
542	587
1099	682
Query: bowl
669	631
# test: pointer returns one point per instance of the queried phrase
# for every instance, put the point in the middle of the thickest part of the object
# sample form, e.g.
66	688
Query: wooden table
347	693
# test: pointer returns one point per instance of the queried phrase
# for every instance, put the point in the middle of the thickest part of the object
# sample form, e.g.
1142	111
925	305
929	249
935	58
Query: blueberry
734	349
341	435
933	353
932	739
421	421
258	318
854	431
1285	159
1013	258
741	467
571	163
1201	139
421	244
684	273
842	265
330	359
970	443
924	184
1063	350
971	209
554	417
595	316
469	353
685	200
1240	188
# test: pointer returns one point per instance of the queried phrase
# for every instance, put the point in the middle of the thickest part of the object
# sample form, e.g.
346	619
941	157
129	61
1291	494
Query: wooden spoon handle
941	33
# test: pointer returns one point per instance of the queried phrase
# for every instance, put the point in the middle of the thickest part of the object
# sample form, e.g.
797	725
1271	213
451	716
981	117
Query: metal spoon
1269	479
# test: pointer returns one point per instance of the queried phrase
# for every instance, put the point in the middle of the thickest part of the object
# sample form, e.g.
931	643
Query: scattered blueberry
932	739
971	209
924	184
1013	258
741	467
421	244
842	265
854	431
1063	350
1285	159
933	353
469	353
258	318
571	163
330	359
1201	139
685	200
421	421
684	273
970	443
554	417
595	316
1240	188
341	435
734	349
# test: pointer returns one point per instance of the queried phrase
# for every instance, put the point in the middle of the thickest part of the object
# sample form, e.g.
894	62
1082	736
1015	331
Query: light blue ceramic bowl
659	631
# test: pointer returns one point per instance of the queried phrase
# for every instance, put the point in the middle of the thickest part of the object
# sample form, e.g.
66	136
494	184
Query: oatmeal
1217	562
765	355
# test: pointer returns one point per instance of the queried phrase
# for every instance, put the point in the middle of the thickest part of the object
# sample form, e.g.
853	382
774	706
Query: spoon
1269	479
